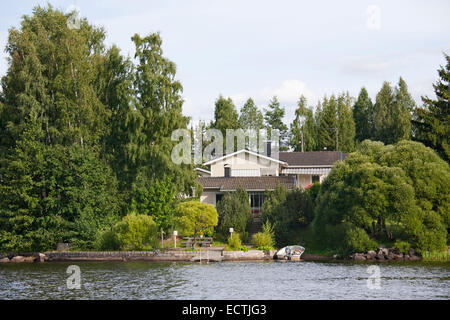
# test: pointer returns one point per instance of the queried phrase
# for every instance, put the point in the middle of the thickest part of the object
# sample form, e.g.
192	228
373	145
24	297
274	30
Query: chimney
227	171
269	148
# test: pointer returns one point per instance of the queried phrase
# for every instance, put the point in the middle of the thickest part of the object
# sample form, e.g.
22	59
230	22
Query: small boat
290	253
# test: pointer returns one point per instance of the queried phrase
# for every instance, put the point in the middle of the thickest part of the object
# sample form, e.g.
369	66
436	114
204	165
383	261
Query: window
315	178
245	173
219	197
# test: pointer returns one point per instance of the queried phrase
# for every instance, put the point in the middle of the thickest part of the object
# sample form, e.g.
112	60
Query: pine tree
250	116
431	122
303	128
363	116
403	107
274	120
383	115
346	124
328	126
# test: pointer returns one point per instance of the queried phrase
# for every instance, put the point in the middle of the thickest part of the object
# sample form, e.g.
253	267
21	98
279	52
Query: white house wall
239	162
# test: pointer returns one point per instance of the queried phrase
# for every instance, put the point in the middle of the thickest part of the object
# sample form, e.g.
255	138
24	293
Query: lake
228	280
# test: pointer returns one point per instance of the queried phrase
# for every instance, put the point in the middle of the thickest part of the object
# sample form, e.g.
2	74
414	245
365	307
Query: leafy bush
402	246
287	211
357	240
193	217
264	240
234	212
234	242
394	192
108	241
136	232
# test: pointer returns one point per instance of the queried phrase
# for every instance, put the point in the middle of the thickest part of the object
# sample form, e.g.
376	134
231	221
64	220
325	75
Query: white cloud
364	64
289	92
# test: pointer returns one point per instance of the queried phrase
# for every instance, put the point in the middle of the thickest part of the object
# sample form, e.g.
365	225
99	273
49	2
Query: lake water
227	280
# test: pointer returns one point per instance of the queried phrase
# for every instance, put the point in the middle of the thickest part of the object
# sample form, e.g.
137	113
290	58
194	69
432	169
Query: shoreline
173	255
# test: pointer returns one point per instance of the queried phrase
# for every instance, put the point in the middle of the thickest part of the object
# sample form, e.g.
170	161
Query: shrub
234	242
108	241
287	211
357	240
193	217
234	212
136	232
264	240
402	246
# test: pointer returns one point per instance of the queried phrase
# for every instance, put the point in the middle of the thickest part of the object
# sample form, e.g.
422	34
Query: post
162	238
175	233
231	231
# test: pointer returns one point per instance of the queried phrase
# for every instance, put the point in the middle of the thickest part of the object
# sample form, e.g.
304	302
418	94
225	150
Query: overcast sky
261	48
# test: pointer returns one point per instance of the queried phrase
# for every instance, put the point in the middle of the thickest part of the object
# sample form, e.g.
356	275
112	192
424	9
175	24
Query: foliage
85	134
431	122
303	128
390	192
134	232
234	212
286	211
402	246
193	217
264	240
273	118
357	240
363	116
235	243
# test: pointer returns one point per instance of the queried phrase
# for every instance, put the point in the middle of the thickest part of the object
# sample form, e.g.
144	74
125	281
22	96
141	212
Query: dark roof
248	183
314	158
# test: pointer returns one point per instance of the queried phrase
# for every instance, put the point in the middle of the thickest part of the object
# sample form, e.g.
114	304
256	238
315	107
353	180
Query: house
259	172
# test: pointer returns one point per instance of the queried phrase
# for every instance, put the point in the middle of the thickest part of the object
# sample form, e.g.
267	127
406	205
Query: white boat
290	253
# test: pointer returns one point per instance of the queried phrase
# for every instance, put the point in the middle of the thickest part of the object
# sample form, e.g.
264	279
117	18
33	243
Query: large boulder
4	260
40	257
371	255
359	256
18	259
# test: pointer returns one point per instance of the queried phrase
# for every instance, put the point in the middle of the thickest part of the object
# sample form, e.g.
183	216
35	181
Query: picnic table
203	242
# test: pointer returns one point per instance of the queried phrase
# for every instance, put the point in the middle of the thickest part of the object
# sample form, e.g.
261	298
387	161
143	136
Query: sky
259	49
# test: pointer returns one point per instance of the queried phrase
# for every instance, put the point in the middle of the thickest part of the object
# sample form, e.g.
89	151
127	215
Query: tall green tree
392	113
363	116
225	117
250	116
303	133
328	125
273	117
156	113
345	123
431	121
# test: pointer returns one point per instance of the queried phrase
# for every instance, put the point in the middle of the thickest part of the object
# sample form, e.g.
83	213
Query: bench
202	242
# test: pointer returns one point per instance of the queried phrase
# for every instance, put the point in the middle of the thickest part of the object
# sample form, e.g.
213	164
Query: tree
157	113
391	113
390	192
287	211
250	116
192	217
362	116
225	117
328	125
303	128
274	120
345	123
136	232
234	212
431	122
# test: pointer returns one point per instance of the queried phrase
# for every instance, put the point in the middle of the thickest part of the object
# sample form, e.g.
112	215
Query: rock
18	259
414	258
359	256
385	251
40	257
391	255
380	256
406	257
29	259
398	256
412	252
372	254
4	260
